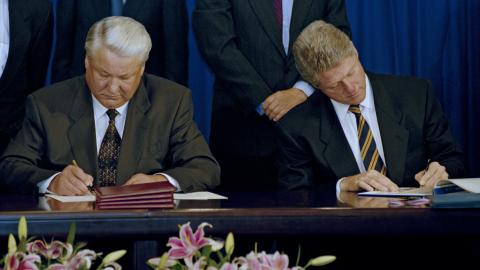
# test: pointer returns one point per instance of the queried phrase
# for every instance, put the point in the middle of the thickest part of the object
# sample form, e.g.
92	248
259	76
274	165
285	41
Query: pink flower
52	251
21	261
189	242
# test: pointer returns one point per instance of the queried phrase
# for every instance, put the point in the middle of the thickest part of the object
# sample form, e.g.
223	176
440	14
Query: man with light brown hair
360	130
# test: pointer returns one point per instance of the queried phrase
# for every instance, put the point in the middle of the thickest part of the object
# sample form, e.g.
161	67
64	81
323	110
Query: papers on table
202	195
402	192
84	198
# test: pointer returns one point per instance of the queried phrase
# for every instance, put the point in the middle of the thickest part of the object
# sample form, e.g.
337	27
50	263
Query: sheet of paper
469	184
84	198
402	192
201	195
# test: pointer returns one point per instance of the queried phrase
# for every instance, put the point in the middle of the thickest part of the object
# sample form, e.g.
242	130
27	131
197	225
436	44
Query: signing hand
280	102
71	181
141	178
431	175
369	181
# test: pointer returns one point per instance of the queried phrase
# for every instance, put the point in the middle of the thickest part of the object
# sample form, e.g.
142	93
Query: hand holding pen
71	181
432	173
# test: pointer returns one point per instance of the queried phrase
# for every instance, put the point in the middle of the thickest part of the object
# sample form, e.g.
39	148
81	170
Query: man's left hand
431	175
141	178
279	103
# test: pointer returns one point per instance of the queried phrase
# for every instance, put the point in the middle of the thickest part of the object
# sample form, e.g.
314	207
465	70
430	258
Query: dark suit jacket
412	125
242	45
160	136
27	62
165	20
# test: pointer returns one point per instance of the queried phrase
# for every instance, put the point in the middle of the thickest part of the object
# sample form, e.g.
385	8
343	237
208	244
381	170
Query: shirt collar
342	109
99	110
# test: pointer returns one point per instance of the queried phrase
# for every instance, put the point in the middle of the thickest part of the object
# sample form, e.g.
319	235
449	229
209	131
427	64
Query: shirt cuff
338	190
43	185
304	87
172	181
259	109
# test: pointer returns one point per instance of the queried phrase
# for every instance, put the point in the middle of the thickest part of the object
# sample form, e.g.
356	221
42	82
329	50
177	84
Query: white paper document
402	192
201	195
84	198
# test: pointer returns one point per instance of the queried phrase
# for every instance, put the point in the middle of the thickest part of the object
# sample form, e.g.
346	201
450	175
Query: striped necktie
368	148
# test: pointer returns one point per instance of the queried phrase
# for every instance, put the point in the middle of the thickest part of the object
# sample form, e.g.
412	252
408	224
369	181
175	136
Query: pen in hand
90	187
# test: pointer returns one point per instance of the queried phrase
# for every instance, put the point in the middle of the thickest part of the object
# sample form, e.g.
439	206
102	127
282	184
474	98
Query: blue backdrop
433	39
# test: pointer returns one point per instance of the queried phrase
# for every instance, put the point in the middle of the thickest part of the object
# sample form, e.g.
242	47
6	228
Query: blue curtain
433	39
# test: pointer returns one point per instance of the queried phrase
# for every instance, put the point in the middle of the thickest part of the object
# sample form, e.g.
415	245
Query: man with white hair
360	130
113	126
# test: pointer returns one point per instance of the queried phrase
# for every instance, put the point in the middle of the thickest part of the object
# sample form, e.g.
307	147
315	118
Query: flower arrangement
31	254
192	250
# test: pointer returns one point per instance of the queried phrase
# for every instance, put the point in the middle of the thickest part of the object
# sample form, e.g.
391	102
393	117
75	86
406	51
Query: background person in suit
122	127
398	136
25	43
165	20
247	45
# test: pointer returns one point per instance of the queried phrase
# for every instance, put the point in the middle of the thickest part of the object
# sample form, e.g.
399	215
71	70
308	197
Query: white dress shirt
4	34
101	124
349	125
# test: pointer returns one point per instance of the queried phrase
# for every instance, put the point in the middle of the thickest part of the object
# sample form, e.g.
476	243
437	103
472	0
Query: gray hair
121	35
320	47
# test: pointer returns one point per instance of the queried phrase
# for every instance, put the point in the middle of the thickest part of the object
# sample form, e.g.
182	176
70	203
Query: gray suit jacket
315	151
160	136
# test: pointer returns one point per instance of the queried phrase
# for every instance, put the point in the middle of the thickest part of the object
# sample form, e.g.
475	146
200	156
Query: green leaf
298	254
22	228
229	244
163	261
321	260
113	256
71	233
12	244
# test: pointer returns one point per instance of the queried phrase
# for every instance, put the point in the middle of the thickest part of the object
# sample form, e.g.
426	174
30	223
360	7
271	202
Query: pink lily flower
189	243
20	261
52	251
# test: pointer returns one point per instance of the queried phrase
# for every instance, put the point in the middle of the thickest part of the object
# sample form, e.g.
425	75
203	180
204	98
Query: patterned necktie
368	148
277	7
109	152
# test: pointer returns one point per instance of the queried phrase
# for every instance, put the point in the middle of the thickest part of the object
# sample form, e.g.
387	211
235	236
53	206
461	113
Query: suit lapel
337	151
133	138
264	11
394	136
18	42
82	132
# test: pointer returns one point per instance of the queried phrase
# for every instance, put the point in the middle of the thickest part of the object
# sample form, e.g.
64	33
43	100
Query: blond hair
320	47
121	35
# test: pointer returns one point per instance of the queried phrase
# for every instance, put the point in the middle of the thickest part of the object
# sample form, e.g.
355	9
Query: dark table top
290	213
